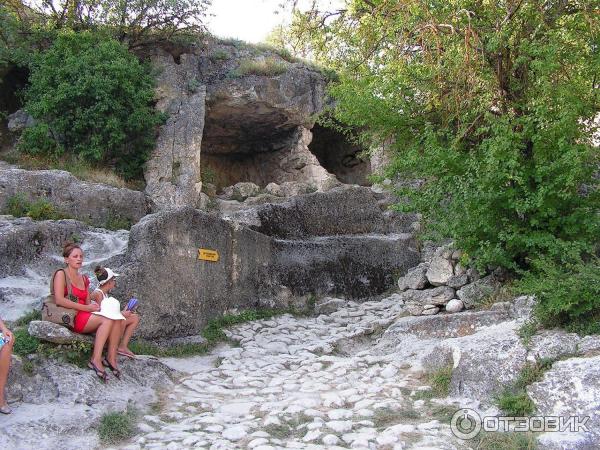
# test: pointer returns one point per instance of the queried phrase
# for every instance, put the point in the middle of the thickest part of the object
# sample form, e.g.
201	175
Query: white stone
389	371
340	426
331	439
439	272
312	435
234	433
256	442
454	305
237	409
337	414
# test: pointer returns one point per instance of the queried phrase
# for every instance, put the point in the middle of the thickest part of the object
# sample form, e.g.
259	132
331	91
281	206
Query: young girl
107	280
85	321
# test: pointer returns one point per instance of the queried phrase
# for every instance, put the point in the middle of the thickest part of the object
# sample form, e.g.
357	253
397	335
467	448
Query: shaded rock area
228	124
95	203
60	400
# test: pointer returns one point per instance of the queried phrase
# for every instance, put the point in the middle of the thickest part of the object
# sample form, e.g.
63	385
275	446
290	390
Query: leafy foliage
25	344
567	294
40	209
136	22
91	98
490	104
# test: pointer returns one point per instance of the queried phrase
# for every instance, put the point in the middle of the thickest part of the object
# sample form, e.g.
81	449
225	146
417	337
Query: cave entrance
338	156
242	143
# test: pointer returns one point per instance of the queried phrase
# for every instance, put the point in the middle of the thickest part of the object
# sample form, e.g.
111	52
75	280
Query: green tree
92	98
490	103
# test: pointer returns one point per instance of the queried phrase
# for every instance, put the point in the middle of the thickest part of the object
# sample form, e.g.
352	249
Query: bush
567	294
25	344
265	67
41	209
516	404
117	426
92	98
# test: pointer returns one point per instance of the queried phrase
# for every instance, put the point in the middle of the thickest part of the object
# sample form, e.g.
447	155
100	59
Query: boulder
437	296
162	269
472	294
293	188
95	203
458	281
58	334
19	120
439	271
274	189
414	279
241	191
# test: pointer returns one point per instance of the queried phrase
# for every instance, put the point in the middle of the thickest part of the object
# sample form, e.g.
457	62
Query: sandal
101	373
127	354
116	372
5	410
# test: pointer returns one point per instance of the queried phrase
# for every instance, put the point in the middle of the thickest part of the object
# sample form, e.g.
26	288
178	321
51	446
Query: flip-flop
5	410
128	355
101	373
116	372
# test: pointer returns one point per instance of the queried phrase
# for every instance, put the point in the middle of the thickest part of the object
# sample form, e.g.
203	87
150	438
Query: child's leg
129	327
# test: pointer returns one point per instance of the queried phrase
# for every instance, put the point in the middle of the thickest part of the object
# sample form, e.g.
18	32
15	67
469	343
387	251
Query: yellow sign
208	255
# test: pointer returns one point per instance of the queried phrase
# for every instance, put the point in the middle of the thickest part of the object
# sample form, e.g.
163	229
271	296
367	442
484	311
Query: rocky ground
346	380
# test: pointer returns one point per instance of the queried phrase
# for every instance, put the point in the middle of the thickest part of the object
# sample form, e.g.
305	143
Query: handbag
58	314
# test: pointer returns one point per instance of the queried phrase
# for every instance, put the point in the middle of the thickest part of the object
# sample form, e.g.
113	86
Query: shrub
440	381
516	404
219	55
77	353
41	209
567	294
91	97
265	67
117	426
25	344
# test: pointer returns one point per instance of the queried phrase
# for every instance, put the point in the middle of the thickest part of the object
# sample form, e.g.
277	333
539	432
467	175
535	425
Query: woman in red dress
85	321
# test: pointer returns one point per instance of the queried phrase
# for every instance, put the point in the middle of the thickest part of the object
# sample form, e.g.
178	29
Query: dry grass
265	67
78	168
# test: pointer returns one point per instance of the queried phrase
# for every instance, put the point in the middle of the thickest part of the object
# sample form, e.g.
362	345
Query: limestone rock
414	279
241	191
458	281
293	188
329	305
172	172
473	293
52	332
91	202
429	310
439	271
571	388
274	189
552	344
436	296
19	120
454	306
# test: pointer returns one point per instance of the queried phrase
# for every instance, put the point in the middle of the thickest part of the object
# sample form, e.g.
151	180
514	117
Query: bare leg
113	343
102	326
5	353
129	327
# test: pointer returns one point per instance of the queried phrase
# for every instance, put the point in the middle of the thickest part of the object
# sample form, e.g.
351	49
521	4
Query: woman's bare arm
59	295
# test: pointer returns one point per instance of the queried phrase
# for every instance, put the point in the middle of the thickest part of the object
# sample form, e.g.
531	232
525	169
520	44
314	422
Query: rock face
173	171
63	402
162	270
570	388
228	124
95	203
303	252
